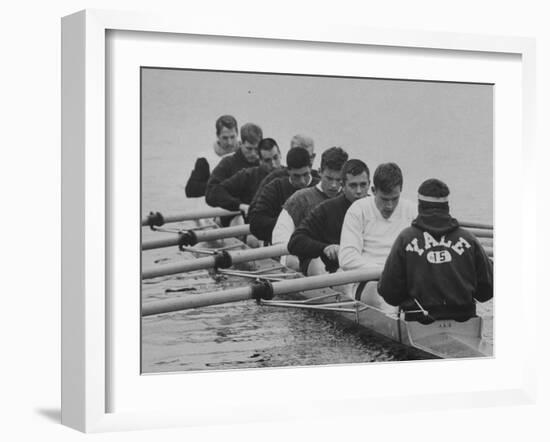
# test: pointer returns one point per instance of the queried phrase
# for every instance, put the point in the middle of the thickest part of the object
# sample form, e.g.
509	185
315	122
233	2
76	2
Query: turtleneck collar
435	218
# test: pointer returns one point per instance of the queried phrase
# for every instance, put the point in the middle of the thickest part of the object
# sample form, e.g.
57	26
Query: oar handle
192	237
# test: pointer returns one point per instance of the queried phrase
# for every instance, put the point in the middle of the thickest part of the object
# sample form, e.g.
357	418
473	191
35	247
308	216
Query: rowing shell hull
446	339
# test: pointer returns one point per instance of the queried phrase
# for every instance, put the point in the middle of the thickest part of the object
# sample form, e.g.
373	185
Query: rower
269	199
236	192
226	136
370	228
226	143
245	156
436	267
296	141
316	240
300	204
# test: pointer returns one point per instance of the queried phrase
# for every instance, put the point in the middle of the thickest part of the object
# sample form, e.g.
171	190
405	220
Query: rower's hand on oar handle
244	209
331	251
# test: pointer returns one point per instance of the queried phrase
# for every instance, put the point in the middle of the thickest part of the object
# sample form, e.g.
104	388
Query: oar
192	237
258	291
221	260
475	225
157	219
480	233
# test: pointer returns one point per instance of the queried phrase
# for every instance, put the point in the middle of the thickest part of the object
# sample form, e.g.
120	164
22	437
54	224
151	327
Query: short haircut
297	157
387	176
268	144
434	188
252	133
302	141
333	158
227	121
354	167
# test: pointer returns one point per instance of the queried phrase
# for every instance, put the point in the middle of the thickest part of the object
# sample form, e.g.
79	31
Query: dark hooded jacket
438	263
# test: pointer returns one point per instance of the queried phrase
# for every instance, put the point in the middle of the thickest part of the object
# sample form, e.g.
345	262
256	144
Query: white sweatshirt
367	237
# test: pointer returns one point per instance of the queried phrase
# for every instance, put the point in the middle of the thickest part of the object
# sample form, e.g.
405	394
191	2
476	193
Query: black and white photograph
304	220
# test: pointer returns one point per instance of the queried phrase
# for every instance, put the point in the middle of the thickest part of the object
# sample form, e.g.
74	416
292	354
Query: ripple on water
246	335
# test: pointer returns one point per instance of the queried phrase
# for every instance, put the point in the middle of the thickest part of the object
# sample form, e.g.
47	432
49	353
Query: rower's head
251	135
387	186
227	132
433	194
305	142
332	161
355	180
299	167
270	155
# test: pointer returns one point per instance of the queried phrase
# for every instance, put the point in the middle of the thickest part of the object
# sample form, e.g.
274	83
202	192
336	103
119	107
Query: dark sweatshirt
241	187
268	204
438	263
278	173
228	166
321	228
273	175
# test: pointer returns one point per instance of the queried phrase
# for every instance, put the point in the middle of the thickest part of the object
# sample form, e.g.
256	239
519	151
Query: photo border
85	202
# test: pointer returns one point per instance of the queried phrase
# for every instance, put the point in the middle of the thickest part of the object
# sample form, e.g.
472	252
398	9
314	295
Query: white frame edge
83	333
83	380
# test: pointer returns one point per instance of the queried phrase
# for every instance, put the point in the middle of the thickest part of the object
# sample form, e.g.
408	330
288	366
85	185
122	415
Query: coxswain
436	268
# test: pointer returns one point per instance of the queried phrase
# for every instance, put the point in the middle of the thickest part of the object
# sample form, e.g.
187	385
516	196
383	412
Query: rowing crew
330	223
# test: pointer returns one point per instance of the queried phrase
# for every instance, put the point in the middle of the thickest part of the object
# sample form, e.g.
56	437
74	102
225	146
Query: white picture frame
86	214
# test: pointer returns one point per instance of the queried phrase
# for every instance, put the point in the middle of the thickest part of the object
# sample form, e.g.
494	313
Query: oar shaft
480	233
196	301
206	262
244	293
198	236
207	212
321	281
158	243
224	232
475	225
